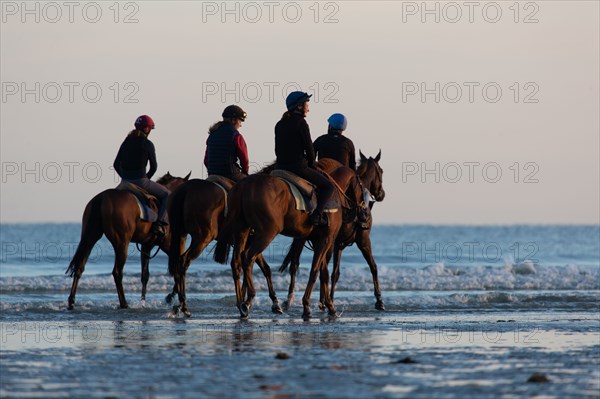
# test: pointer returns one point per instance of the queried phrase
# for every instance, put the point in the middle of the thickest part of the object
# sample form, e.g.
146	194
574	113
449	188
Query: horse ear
188	176
168	173
378	157
362	156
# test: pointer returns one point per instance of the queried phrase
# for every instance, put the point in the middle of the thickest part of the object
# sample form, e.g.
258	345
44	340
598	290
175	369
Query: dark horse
264	204
371	177
198	209
115	213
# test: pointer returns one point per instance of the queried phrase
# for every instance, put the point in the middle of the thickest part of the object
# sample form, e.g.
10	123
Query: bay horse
116	214
198	209
264	204
371	177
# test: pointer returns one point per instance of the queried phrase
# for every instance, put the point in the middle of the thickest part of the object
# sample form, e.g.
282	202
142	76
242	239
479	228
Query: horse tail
91	232
175	211
286	262
225	238
293	255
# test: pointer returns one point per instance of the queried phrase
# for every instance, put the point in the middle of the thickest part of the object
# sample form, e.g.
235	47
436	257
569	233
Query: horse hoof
186	312
379	305
286	305
175	310
322	306
124	306
333	313
244	310
306	315
169	299
70	306
276	309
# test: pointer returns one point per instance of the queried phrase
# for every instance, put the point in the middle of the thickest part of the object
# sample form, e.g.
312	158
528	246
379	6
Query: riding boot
364	217
159	229
318	218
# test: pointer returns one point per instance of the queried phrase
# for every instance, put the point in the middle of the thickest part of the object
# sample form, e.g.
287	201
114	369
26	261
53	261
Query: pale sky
488	116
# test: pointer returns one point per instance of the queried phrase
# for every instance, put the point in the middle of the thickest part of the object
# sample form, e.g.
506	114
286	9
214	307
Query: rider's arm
316	146
352	160
242	152
117	162
307	144
152	159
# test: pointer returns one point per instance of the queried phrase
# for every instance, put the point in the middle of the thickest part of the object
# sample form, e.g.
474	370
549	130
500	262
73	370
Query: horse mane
165	179
267	169
362	167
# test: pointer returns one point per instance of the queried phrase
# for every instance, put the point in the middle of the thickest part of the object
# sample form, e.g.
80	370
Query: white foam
435	277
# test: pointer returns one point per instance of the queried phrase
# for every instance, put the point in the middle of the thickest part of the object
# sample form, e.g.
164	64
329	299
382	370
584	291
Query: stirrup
159	230
319	219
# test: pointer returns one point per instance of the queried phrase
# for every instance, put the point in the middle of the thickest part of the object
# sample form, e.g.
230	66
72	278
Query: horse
371	177
264	204
116	214
198	209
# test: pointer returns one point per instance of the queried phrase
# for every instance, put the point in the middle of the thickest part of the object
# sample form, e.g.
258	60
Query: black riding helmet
233	111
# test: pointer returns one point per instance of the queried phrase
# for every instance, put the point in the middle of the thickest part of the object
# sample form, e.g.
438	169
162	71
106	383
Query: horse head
171	182
371	175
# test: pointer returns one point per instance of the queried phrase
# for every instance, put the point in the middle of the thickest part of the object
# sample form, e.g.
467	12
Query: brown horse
115	213
197	209
264	204
371	177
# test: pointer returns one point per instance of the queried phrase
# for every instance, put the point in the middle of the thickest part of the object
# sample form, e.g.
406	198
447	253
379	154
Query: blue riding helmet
296	98
338	122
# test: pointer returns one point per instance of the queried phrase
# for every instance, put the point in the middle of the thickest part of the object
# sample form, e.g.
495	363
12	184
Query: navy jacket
293	145
133	156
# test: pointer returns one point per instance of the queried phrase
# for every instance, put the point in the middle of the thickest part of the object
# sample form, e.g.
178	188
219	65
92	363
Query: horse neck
367	178
174	183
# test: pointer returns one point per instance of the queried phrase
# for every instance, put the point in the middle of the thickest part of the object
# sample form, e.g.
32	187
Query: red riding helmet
143	122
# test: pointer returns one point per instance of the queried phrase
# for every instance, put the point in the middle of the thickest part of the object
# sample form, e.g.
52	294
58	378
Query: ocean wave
435	277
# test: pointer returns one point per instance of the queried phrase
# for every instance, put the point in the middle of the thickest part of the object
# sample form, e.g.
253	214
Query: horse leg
257	246
145	259
266	270
199	241
77	265
364	244
319	248
335	273
120	258
239	245
295	252
176	255
324	277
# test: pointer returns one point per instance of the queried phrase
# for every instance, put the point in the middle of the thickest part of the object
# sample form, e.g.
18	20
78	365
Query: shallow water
475	327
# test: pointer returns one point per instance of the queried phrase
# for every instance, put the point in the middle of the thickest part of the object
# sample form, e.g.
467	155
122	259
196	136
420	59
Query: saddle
147	202
304	192
224	184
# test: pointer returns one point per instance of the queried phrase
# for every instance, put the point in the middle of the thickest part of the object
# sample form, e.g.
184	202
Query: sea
470	312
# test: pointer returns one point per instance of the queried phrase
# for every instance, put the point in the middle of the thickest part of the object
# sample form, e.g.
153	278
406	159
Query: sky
484	112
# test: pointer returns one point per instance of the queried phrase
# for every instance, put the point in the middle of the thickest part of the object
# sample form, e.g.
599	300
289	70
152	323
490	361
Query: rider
130	163
225	146
336	146
295	152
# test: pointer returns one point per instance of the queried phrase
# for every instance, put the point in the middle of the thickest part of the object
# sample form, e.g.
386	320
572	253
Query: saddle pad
146	213
143	198
301	201
304	192
222	181
305	187
224	184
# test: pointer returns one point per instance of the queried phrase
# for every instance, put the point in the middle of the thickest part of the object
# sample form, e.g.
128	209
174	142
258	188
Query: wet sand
141	352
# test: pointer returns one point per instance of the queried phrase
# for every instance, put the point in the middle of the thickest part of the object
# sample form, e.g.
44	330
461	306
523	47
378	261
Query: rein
336	184
137	245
